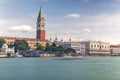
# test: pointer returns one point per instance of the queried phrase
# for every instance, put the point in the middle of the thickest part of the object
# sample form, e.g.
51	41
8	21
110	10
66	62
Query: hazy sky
76	19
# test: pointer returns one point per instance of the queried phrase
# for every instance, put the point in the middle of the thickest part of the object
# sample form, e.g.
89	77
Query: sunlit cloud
26	28
2	22
89	27
86	30
74	15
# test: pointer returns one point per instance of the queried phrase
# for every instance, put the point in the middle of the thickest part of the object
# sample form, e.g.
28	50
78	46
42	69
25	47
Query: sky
96	20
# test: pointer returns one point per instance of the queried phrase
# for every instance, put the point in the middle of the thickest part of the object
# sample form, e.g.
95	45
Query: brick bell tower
40	26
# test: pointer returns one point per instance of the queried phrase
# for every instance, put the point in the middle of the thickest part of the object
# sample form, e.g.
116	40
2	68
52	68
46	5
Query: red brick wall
41	35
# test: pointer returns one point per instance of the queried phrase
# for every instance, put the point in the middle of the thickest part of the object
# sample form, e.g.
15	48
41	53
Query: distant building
6	52
97	48
115	50
78	46
40	33
89	47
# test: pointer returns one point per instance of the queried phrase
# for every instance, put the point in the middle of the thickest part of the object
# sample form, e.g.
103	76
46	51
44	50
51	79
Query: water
91	68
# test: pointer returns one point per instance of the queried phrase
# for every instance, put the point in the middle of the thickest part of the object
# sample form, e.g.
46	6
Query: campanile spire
41	14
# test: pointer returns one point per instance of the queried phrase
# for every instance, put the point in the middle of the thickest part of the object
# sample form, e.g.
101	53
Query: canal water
90	68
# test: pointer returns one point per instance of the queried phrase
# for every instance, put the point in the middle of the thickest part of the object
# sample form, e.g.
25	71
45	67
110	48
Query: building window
97	45
94	45
102	46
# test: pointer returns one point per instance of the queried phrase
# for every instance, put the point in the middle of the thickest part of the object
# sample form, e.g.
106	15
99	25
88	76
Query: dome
4	46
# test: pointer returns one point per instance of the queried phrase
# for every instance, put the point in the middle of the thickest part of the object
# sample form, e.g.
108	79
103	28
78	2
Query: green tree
54	48
2	41
70	50
60	48
21	45
54	45
11	45
51	48
48	47
39	47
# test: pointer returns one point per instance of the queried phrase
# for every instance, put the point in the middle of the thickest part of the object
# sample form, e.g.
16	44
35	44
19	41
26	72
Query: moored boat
3	55
46	55
72	58
18	55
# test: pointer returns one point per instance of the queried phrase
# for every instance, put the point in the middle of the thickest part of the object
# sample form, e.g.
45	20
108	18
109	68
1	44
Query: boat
72	58
46	55
3	55
18	55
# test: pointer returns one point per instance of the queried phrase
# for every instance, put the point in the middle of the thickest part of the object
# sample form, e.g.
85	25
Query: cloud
24	28
116	0
8	27
105	27
74	15
2	21
86	30
103	20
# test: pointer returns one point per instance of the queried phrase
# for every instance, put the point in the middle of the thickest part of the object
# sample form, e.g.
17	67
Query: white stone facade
115	50
97	48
